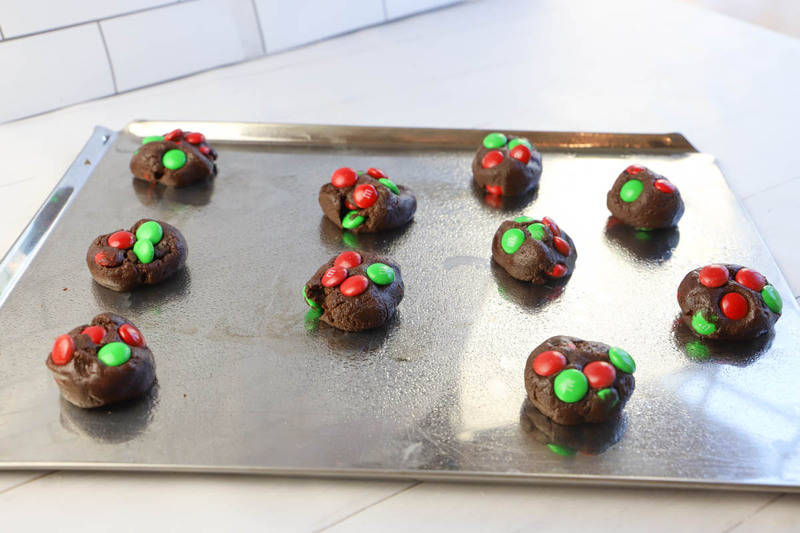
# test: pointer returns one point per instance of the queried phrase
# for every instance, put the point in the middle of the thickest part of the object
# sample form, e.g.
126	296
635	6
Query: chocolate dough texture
645	200
538	251
86	381
587	402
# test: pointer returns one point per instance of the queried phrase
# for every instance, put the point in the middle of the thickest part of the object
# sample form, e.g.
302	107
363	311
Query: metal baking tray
249	382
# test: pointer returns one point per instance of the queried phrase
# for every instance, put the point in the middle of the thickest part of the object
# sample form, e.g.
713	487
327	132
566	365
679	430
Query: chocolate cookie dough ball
366	201
534	250
643	199
104	362
355	291
728	302
506	166
177	159
573	381
148	254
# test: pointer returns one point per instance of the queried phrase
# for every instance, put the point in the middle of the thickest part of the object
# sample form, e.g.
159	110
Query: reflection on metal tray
247	382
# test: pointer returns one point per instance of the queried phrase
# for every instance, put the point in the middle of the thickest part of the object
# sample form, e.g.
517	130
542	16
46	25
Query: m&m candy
634	169
114	353
495	190
96	333
494	140
570	385
561	245
600	374
492	159
354	285
559	271
713	276
511	240
63	350
631	191
376	173
550	223
621	360
121	239
549	362
131	335
347	259
733	306
521	154
334	276
664	186
195	138
751	279
365	195
344	177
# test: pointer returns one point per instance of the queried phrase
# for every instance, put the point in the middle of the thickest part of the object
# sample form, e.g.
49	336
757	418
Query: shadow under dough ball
643	199
355	291
148	254
176	159
728	302
104	362
506	166
534	250
572	381
366	201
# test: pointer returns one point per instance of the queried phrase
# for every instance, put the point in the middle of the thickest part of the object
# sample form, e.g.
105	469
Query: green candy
311	320
174	159
622	360
698	350
311	303
152	139
631	190
350	239
390	185
144	251
570	385
512	240
561	450
772	298
352	220
523	219
603	394
380	273
519	140
150	231
537	231
114	353
703	326
494	140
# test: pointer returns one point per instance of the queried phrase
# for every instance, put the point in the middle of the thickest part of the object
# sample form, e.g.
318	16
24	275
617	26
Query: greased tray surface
247	382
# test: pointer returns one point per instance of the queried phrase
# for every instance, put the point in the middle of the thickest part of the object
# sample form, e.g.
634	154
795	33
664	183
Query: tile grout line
108	57
31	480
1	33
260	30
774	186
373	504
758	510
385	11
87	22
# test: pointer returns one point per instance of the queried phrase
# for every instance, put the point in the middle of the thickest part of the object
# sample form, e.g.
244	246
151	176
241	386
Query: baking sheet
249	382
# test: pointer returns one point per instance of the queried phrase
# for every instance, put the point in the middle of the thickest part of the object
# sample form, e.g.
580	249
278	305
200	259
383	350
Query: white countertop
621	66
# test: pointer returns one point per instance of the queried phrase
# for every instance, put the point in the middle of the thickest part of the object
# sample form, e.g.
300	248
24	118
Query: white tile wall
402	8
288	24
173	41
52	70
22	17
51	57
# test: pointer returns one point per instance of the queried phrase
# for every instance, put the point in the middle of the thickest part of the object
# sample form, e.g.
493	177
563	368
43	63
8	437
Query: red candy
549	362
130	335
122	240
561	245
550	223
96	333
600	374
347	260
174	135
376	173
521	153
365	195
492	159
205	149
63	350
105	260
354	285
664	186
349	206
633	169
751	279
734	306
558	271
344	177
713	275
494	189
334	276
195	138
